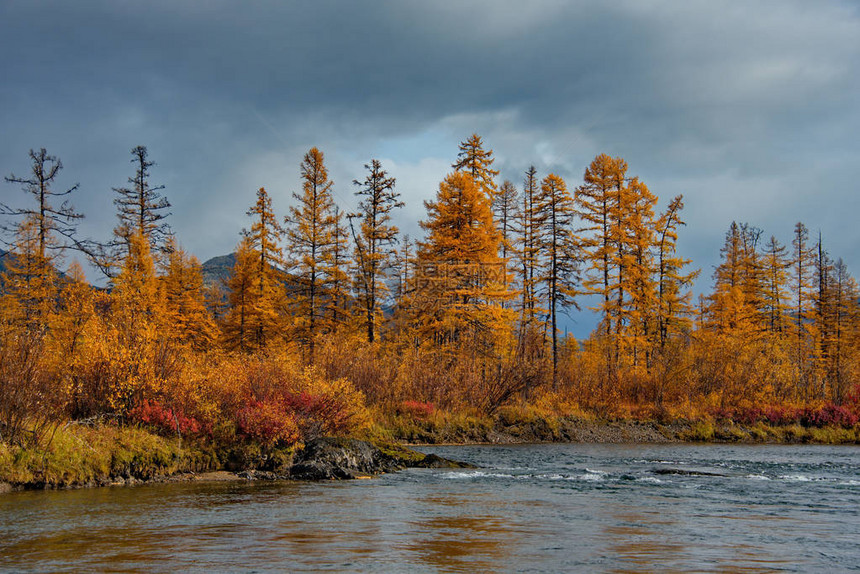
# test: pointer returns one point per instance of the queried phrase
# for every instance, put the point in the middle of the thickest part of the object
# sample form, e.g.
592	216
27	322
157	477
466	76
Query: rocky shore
327	458
132	456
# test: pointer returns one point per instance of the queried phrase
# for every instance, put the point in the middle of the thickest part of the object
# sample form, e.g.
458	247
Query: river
528	508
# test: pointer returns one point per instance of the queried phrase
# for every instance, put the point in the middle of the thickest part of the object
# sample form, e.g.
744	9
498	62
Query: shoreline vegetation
326	322
109	455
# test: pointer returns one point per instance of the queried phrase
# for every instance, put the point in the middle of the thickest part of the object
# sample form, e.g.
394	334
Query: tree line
351	316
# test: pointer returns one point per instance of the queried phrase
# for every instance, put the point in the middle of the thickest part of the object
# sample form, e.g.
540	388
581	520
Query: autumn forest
333	322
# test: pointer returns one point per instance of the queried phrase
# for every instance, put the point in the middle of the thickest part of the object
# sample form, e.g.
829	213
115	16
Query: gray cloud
749	109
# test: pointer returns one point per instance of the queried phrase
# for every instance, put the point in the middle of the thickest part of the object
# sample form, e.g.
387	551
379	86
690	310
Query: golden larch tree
186	318
311	238
460	254
263	239
596	201
477	162
673	308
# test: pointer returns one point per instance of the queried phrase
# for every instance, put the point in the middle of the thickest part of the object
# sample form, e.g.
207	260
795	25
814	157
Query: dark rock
342	459
688	472
436	461
337	458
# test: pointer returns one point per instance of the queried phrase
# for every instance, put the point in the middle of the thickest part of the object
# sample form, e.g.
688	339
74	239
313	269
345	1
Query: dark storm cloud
749	109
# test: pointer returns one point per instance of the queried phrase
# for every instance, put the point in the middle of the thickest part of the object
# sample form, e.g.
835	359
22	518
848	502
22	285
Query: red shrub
269	422
831	415
416	409
779	415
319	415
166	420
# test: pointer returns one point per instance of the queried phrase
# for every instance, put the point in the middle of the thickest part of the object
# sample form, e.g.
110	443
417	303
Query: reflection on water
462	543
543	508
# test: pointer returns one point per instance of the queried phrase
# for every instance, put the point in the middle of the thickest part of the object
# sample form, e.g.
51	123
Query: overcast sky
750	109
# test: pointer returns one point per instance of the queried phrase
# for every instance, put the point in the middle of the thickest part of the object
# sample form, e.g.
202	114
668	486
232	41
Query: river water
528	508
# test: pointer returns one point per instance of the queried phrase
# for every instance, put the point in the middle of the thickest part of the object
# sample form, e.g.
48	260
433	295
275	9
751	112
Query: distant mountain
3	259
218	269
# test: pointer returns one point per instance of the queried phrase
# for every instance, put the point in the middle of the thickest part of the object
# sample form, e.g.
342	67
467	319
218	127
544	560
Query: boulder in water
332	458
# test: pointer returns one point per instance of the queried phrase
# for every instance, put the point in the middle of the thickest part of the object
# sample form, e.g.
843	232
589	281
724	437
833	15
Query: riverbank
512	426
105	455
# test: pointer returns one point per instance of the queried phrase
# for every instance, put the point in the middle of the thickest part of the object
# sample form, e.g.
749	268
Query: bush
166	420
268	422
31	396
700	431
831	415
416	410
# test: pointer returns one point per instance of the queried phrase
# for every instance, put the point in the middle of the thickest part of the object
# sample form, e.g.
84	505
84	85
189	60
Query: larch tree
752	274
338	284
135	334
845	312
263	239
558	245
76	308
186	317
638	238
731	349
374	240
310	234
405	270
241	308
775	265
477	162
141	208
40	236
505	209
48	219
28	284
461	249
459	224
135	293
597	200
803	296
529	220
731	307
673	309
